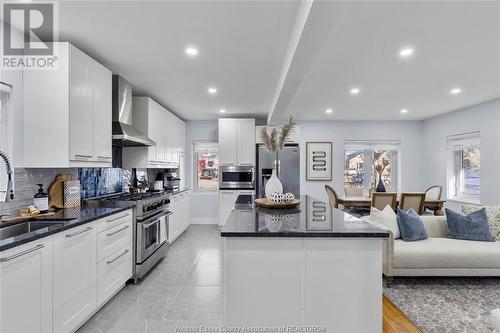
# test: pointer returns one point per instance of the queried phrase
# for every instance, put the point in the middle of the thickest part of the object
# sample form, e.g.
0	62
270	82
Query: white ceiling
243	47
456	44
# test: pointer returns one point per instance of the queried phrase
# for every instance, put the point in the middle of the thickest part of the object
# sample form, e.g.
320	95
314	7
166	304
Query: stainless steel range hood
124	133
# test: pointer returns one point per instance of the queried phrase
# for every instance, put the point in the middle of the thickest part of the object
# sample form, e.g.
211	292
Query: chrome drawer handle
104	157
115	259
79	232
116	218
17	255
82	156
117	231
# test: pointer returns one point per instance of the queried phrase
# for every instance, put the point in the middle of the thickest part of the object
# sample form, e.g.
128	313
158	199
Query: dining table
436	206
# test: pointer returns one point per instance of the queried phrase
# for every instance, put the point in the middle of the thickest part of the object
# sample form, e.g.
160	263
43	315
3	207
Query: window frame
210	146
456	145
368	148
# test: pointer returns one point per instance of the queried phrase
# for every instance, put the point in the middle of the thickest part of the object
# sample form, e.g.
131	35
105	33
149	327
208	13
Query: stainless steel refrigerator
288	170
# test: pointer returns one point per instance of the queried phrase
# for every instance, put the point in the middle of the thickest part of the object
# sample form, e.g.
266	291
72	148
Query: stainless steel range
151	228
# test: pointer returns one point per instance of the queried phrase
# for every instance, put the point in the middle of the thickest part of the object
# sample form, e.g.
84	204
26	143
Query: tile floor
185	289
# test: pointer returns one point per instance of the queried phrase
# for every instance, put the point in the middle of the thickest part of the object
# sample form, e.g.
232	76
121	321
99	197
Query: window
362	160
464	167
206	166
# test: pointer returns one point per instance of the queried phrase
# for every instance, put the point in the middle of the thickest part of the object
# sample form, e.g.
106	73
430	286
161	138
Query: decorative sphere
277	197
288	197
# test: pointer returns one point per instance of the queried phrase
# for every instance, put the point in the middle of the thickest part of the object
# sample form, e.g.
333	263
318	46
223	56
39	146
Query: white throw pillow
386	217
493	214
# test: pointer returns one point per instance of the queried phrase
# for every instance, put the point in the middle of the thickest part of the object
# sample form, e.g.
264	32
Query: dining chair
353	191
332	196
412	200
382	199
434	192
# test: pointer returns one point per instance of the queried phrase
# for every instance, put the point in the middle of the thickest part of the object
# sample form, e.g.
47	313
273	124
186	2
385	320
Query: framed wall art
319	161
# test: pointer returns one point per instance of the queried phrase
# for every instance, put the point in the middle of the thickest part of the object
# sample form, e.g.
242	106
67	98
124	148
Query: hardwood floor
394	321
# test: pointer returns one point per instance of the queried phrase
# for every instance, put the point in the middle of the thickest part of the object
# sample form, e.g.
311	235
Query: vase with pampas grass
274	142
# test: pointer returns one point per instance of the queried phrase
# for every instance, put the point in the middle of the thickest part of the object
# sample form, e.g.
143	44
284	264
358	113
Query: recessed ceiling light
329	111
355	91
222	110
212	91
403	111
455	91
406	52
191	51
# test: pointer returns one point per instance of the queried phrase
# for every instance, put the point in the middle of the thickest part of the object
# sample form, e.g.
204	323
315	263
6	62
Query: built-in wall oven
237	177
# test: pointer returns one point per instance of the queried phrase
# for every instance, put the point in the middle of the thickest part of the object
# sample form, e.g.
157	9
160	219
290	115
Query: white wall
407	132
204	205
484	118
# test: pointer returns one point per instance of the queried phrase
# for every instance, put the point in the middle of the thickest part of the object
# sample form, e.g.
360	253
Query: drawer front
113	272
113	239
114	220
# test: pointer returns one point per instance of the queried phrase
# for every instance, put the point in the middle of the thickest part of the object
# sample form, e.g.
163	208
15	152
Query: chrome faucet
9	192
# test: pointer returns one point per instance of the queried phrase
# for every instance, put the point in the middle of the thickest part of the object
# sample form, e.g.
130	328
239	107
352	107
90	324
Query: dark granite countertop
312	218
63	220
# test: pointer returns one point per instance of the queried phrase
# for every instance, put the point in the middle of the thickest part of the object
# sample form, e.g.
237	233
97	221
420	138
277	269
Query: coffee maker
171	180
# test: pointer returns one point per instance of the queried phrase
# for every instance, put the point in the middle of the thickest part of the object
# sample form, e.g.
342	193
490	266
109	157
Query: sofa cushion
386	217
493	214
473	226
445	253
410	226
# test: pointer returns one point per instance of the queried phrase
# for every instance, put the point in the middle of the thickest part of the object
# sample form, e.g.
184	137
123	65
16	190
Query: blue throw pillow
473	226
411	225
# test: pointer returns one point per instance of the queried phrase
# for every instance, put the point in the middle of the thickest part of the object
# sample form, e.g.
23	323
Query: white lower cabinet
227	198
26	288
112	273
58	282
114	252
74	277
179	221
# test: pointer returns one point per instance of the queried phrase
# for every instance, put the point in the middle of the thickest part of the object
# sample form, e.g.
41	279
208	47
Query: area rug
438	305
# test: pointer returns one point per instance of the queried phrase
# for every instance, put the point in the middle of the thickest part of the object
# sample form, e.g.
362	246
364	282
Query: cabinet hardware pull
104	157
79	232
116	218
117	231
115	259
82	156
17	255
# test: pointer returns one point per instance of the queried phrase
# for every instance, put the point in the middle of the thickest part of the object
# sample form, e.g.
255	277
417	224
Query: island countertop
312	218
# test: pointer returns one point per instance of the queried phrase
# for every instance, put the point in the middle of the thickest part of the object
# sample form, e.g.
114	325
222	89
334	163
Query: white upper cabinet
228	141
246	142
67	113
102	102
237	141
161	126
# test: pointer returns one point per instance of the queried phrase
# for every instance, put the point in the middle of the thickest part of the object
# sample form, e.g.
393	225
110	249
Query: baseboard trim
204	220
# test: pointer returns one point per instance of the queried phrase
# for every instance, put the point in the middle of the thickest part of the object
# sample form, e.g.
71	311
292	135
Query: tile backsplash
25	187
96	182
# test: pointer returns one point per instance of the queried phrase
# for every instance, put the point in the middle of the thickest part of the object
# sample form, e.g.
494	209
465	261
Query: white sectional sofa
438	255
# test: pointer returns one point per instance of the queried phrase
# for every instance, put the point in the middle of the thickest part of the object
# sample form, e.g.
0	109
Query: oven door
233	177
150	235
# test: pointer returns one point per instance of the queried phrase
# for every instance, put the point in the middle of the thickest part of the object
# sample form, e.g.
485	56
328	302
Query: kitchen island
312	267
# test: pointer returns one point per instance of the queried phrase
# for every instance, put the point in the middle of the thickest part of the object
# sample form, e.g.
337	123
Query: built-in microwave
236	177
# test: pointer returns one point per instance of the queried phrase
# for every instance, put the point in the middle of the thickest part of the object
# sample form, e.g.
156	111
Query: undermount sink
26	227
